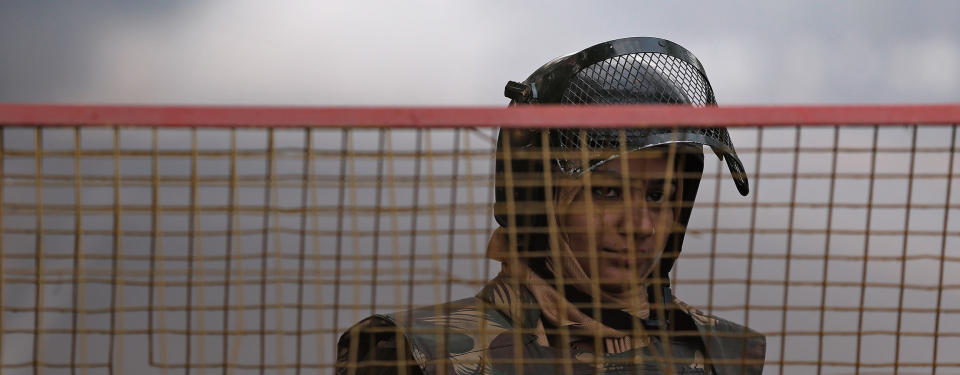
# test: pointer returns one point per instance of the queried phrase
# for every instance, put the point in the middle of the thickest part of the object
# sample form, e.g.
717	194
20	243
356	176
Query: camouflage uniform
478	336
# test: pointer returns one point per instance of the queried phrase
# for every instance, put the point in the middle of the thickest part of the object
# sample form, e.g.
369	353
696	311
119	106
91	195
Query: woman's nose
637	218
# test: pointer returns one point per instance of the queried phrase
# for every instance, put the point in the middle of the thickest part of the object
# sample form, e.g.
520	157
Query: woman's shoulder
446	330
701	318
461	315
727	339
707	322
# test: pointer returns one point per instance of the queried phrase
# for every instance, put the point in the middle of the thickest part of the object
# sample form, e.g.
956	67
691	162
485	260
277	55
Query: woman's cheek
578	229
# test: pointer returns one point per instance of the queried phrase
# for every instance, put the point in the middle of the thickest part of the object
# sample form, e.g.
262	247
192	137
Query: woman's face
624	234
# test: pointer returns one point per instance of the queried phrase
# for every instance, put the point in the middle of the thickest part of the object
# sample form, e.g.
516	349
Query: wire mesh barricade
179	240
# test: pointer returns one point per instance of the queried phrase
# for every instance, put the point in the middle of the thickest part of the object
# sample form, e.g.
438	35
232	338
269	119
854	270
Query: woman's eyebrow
607	172
608	176
615	176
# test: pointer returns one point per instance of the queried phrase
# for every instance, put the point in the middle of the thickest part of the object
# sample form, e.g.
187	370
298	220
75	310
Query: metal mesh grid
631	79
250	250
639	78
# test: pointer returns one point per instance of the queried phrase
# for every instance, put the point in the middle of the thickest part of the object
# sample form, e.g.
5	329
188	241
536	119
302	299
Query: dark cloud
427	52
51	46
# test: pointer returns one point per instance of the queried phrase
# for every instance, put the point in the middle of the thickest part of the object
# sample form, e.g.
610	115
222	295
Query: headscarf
555	308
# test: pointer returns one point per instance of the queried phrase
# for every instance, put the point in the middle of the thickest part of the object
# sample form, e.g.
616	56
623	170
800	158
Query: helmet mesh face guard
622	71
626	71
639	78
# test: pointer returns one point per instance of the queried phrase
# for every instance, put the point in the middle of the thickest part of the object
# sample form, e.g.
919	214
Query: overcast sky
462	52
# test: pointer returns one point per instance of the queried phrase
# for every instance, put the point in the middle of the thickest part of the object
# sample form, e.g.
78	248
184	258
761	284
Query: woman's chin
617	279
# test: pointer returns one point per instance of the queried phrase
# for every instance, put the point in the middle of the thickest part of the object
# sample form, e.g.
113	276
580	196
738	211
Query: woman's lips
621	257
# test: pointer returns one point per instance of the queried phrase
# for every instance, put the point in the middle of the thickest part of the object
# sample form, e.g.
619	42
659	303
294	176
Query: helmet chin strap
658	320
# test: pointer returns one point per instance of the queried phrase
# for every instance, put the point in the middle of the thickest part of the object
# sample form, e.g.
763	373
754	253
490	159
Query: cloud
927	68
460	53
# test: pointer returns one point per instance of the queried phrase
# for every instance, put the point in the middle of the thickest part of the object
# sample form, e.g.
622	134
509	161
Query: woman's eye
655	196
607	192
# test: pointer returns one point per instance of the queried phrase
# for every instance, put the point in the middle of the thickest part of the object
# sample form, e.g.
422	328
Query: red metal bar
525	116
